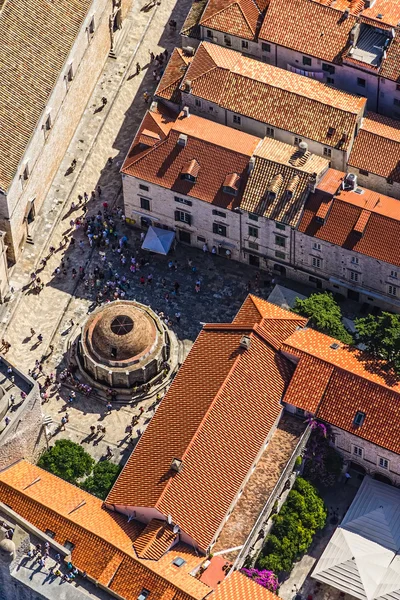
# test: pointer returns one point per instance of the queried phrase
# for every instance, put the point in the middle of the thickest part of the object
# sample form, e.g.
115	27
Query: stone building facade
73	43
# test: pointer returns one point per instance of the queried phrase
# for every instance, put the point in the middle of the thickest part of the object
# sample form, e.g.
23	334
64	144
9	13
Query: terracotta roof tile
271	95
366	223
154	540
37	37
295	169
381	406
376	148
308	27
308	383
168	88
239	587
103	540
210	434
391	65
212	152
240	18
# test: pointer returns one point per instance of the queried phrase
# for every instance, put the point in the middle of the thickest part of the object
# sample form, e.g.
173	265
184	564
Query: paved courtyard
104	134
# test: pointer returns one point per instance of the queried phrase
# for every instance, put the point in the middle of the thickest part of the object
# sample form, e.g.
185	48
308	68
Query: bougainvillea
267	579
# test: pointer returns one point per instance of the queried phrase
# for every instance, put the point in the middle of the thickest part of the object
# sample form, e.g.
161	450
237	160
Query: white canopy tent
158	240
362	558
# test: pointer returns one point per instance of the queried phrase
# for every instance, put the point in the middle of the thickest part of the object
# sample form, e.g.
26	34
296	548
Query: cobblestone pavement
100	135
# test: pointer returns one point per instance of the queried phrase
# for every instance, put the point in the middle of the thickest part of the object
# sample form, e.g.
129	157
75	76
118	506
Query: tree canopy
103	476
381	336
294	528
67	460
325	315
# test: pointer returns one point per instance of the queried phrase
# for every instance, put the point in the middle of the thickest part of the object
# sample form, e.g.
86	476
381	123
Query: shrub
294	528
266	579
325	315
67	460
103	476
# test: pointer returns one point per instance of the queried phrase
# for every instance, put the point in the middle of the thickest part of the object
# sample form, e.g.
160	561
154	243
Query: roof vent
380	16
187	86
245	342
177	465
303	147
182	139
186	111
350	182
334	346
190	50
368	3
252	162
346	13
359	418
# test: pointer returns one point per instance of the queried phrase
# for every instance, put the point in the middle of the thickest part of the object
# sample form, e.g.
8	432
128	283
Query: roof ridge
237	2
200	426
145	153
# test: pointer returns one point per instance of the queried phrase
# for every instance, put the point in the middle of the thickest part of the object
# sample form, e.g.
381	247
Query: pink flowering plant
266	579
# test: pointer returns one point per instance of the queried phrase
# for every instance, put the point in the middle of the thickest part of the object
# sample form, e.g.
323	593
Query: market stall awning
158	240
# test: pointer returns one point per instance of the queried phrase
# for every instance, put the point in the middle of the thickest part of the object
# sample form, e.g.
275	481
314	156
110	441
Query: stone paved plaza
100	135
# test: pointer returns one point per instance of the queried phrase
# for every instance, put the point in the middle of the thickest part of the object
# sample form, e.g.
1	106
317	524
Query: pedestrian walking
40	338
32	332
138	68
109	408
178	316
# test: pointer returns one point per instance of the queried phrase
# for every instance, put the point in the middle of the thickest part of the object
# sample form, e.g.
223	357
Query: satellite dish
169	519
176	529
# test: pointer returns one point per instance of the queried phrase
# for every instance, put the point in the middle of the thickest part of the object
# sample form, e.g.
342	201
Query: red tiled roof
239	587
212	152
308	27
391	65
168	88
154	541
240	18
271	95
102	539
366	223
204	420
337	383
376	148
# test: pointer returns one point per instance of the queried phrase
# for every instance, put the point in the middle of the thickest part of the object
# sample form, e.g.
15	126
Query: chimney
177	465
187	86
368	3
252	162
182	139
186	111
346	14
303	147
245	342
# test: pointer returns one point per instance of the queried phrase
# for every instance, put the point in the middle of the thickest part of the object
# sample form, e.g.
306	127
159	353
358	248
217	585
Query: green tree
381	336
103	476
67	460
324	314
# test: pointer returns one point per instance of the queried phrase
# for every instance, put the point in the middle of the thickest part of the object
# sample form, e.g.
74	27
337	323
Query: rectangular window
227	40
183	217
265	47
361	82
253	231
354	260
50	533
253	245
316	262
328	68
354	276
359	418
144	188
280	226
178	561
383	463
201	239
184	236
270	132
398	87
327	152
197	102
330	81
209	33
393	274
211	108
316	246
307	61
219	213
253	217
363	172
357	451
144	594
245	45
297	141
183	201
280	254
219	229
392	289
144	203
389	180
280	241
396	101
237	120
